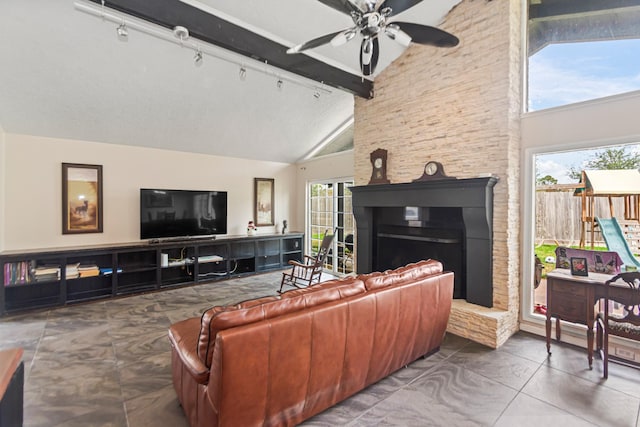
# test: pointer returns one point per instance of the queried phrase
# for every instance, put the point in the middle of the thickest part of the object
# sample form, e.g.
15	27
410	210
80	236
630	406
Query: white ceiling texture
64	73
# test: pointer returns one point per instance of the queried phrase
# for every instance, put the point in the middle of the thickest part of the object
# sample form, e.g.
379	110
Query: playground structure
617	234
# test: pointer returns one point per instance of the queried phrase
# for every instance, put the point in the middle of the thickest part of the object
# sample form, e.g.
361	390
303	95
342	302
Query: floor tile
589	400
526	411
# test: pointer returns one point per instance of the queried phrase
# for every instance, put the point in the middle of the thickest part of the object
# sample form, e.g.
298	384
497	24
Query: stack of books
71	272
45	273
88	270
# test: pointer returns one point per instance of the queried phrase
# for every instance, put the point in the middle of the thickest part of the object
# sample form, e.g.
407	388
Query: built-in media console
45	278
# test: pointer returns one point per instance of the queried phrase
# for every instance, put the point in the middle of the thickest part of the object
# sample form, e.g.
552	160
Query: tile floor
107	363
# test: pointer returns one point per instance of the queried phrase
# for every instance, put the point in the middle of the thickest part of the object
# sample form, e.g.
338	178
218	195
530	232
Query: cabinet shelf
136	268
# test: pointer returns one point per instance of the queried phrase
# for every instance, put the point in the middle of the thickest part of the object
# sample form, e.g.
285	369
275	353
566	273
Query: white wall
339	165
32	215
606	121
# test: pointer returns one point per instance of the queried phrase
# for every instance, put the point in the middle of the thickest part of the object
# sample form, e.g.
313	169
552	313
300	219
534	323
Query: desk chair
625	324
307	273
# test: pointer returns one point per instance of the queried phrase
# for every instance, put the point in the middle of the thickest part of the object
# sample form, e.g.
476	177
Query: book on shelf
106	271
71	271
44	273
18	273
88	270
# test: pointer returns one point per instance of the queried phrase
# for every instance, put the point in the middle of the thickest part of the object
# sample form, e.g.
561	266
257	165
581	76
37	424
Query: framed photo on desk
579	266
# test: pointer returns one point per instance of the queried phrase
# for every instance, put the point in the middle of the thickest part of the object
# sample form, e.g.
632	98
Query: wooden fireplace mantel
474	196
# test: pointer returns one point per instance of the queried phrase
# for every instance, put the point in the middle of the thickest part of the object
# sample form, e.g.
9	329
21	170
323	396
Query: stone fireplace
449	220
460	107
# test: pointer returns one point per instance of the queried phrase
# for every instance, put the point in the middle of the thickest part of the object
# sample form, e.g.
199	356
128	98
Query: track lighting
123	32
180	35
197	58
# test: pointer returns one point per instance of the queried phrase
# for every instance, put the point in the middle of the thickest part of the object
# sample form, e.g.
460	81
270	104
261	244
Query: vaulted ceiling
65	73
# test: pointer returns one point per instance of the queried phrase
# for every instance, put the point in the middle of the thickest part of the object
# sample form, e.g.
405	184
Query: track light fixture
180	35
123	32
197	58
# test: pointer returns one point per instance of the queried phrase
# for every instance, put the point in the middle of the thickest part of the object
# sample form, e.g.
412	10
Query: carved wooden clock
433	170
379	167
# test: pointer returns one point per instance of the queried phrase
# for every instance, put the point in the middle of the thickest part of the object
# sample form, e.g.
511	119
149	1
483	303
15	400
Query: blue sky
565	73
562	74
558	165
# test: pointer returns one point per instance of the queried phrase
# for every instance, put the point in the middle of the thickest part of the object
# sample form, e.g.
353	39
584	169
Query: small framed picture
579	266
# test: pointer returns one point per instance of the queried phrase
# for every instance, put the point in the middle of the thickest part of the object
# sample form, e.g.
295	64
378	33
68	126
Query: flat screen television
182	213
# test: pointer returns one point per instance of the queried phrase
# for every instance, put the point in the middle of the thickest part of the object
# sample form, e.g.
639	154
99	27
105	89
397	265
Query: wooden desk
573	298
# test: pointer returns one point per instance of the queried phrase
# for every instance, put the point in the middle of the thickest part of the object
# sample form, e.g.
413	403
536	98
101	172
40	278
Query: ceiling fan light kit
370	19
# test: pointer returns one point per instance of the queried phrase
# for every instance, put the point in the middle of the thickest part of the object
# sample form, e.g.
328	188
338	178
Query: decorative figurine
284	226
251	228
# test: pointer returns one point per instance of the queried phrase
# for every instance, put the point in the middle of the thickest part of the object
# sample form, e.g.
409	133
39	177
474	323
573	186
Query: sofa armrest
184	342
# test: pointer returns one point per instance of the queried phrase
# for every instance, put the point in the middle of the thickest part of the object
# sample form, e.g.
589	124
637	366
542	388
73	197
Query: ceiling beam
216	31
552	8
572	21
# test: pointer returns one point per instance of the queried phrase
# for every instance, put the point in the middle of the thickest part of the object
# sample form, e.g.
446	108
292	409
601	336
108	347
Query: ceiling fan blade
398	6
344	6
369	53
425	34
314	43
395	33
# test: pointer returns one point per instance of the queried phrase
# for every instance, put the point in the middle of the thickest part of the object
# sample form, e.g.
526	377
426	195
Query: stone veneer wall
460	106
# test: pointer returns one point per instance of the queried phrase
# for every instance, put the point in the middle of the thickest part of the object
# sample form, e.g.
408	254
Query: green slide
614	238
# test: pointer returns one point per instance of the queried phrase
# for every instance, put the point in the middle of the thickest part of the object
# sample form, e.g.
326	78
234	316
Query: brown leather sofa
279	360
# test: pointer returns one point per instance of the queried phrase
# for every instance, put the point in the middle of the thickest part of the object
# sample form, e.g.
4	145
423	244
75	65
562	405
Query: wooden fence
558	217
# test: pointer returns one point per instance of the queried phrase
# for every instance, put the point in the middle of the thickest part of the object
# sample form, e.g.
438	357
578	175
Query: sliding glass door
330	211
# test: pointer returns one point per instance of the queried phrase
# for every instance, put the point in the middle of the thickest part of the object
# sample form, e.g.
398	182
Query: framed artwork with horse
81	198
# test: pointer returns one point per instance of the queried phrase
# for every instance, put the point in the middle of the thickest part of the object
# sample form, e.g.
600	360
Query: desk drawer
564	287
568	307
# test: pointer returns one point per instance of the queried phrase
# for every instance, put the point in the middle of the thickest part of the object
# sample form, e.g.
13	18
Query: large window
330	210
579	51
559	212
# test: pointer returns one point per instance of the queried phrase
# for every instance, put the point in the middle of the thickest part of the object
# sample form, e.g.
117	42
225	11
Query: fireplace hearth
449	220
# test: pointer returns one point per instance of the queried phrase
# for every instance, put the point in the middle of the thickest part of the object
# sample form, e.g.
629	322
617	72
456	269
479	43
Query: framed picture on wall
81	198
264	200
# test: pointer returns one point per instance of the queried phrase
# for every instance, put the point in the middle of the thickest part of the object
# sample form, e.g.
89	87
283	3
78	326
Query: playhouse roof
612	182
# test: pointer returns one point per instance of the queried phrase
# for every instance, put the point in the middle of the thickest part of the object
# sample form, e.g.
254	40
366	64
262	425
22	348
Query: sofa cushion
219	318
404	274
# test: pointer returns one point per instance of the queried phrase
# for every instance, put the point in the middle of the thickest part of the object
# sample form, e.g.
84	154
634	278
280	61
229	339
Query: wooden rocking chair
308	272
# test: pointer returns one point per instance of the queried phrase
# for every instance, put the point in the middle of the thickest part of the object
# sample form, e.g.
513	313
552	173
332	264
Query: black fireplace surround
450	220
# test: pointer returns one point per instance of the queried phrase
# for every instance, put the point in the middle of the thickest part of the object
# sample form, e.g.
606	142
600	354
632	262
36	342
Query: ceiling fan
370	20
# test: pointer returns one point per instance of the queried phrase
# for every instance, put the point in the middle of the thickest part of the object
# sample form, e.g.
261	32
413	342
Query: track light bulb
316	94
197	58
243	73
279	84
123	32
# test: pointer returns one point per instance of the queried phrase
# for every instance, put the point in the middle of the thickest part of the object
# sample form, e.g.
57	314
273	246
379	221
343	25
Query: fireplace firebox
449	220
